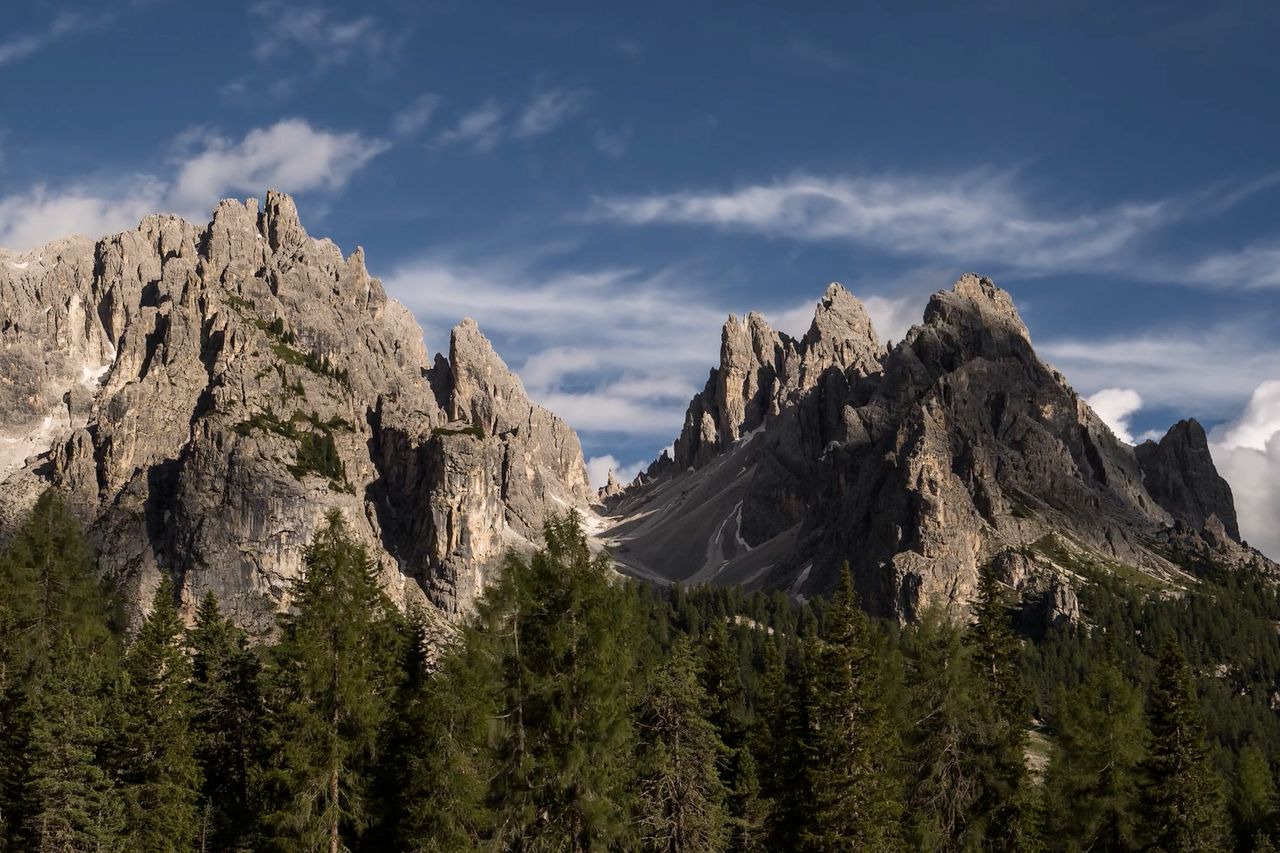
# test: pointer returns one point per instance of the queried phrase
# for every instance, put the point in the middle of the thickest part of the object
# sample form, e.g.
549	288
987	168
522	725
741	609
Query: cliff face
203	395
917	465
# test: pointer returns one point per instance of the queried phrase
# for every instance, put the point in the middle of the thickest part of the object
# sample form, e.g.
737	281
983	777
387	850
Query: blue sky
600	189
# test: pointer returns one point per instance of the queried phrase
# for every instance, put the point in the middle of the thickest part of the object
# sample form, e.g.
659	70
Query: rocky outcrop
918	465
762	371
1179	474
204	394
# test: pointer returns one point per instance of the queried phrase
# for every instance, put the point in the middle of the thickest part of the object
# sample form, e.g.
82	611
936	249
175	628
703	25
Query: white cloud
1116	406
416	115
20	47
548	110
1246	452
598	468
291	155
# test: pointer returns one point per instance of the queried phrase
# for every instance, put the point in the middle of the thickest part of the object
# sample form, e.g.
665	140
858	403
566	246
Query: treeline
576	712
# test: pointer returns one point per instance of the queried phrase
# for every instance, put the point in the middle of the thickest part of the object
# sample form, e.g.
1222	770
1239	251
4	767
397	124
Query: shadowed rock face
917	465
1181	477
203	395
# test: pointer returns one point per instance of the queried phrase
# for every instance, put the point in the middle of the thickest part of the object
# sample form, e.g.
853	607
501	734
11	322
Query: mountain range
203	394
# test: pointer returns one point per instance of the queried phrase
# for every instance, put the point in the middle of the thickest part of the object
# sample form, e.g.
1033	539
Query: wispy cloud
282	28
22	46
416	115
979	217
1206	370
809	52
484	127
481	128
548	110
291	154
612	143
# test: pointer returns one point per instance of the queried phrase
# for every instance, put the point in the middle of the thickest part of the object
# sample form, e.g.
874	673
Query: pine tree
1182	797
1006	805
681	798
160	780
1094	776
563	636
335	673
228	724
856	796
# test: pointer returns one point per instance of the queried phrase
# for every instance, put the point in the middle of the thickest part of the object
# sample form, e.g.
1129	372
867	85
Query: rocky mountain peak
1179	473
917	467
205	394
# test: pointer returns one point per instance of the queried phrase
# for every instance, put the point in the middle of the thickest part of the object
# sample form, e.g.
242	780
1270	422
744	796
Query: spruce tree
1094	775
681	798
856	797
335	674
782	745
159	777
562	635
1182	797
228	722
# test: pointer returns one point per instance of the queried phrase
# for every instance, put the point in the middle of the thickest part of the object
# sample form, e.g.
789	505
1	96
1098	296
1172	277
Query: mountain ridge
202	395
917	465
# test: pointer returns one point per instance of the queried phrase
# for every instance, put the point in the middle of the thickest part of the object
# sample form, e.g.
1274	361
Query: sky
600	189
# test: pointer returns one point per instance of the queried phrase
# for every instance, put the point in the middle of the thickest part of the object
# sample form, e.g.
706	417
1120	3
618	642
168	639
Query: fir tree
946	780
680	794
562	637
1182	797
160	780
69	801
747	807
228	724
856	801
437	766
1094	776
57	656
335	671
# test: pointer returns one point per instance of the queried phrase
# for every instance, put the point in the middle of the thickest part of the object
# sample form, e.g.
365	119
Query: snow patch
20	266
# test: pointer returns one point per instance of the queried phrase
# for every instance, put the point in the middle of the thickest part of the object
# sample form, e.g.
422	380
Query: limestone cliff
204	394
